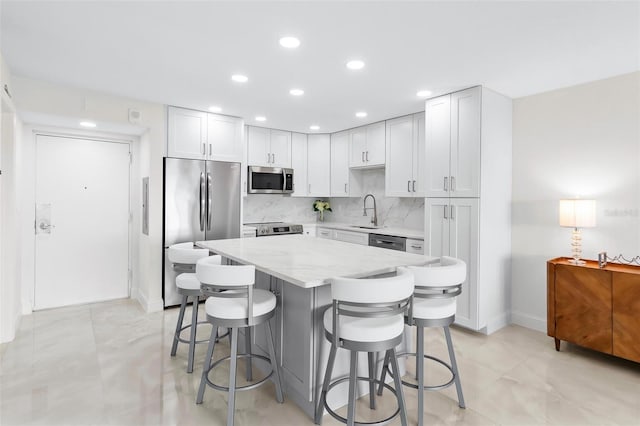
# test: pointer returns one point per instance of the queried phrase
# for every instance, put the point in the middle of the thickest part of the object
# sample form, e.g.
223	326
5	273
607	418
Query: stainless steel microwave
270	180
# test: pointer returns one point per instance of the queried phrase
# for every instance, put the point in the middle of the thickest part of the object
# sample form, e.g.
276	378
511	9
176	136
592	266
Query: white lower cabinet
325	233
361	238
309	229
414	246
451	229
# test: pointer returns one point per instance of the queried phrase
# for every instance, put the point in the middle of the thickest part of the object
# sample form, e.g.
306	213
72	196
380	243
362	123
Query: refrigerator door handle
202	195
209	206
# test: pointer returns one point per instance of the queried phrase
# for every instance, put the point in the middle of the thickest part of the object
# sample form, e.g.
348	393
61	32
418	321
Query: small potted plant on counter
321	206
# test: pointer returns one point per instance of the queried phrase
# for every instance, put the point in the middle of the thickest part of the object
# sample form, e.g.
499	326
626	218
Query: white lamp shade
578	213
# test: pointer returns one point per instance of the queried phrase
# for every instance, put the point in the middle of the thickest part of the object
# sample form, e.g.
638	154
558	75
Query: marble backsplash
392	211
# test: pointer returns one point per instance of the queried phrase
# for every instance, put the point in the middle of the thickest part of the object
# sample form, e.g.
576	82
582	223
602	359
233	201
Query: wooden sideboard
598	308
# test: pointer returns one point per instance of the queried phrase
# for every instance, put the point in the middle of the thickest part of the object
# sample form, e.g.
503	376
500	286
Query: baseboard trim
148	306
497	323
529	321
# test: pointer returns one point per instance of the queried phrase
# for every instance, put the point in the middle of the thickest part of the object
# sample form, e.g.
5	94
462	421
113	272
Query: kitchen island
298	270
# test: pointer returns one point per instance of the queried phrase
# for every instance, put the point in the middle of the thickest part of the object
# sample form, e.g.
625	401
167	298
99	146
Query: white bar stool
433	305
234	303
184	256
367	315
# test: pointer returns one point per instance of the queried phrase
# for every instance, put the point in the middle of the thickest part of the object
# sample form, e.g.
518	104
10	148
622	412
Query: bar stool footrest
239	388
431	387
187	341
366	379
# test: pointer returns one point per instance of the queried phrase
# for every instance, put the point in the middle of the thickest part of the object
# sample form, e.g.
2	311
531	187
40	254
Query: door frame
132	142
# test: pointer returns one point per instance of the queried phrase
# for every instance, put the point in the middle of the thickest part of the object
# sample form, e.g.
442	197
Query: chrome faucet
374	219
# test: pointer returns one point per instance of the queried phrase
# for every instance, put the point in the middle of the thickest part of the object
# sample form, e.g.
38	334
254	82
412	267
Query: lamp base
577	262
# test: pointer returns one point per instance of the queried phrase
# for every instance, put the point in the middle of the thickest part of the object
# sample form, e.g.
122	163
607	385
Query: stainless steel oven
270	180
266	229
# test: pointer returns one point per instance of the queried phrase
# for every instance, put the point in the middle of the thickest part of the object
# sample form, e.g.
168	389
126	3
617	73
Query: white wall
578	141
39	102
10	213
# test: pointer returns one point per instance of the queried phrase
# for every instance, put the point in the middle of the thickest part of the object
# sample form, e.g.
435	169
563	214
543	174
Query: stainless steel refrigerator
201	202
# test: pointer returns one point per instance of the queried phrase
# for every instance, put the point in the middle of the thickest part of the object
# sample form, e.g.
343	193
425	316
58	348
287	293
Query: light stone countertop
394	231
309	261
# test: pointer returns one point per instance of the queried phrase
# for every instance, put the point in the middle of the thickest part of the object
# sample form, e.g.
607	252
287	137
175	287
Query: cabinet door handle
445	212
268	158
273	158
367	156
363	156
414	186
416	247
309	188
452	210
210	150
345	188
204	149
446	186
408	186
453	183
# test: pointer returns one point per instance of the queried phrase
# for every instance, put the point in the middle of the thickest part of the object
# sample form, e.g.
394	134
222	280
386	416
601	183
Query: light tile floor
109	364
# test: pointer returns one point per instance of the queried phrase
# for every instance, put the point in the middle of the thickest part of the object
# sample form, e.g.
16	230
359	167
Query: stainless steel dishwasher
388	242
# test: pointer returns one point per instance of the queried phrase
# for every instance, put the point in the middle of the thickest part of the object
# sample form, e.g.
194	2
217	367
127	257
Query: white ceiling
183	53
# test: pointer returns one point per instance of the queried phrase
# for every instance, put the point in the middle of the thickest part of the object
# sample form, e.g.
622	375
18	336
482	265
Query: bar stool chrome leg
232	376
183	307
192	338
247	346
454	366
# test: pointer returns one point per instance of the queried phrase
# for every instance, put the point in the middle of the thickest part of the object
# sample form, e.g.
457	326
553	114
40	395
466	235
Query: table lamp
577	214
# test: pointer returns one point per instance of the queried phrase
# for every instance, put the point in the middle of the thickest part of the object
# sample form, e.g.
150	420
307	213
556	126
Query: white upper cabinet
299	164
268	147
280	148
187	133
203	136
258	146
318	165
340	185
375	154
225	136
452	133
404	168
367	146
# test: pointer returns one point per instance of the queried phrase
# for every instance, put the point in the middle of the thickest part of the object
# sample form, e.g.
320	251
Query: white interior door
82	221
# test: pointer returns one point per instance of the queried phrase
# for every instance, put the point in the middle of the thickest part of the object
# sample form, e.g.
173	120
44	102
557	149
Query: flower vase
321	217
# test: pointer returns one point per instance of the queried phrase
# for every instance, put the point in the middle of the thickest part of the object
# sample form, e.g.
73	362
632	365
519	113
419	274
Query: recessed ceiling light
261	118
289	42
314	127
361	114
355	64
240	78
215	109
87	124
423	93
296	92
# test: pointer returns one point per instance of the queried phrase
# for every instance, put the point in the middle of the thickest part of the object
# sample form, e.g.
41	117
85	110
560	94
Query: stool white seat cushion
187	281
186	254
433	308
365	329
236	308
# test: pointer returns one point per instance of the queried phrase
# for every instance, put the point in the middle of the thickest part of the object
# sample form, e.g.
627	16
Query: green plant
321	206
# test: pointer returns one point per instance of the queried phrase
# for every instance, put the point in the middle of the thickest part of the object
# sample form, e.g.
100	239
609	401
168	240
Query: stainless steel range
275	228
